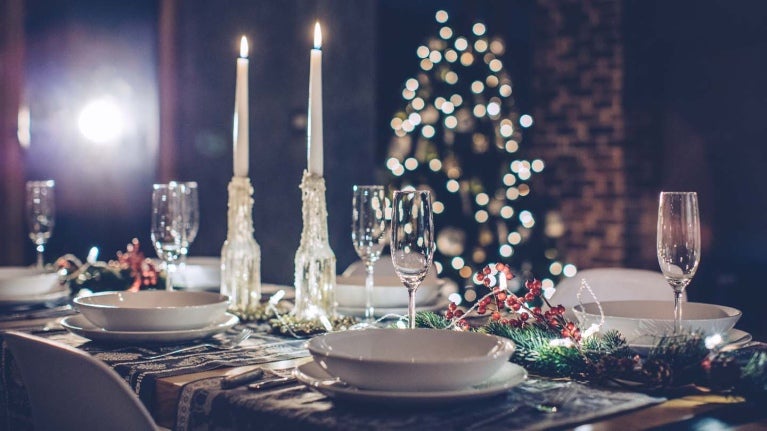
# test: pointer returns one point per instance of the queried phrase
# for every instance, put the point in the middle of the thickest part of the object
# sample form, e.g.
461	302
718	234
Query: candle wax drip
241	254
315	263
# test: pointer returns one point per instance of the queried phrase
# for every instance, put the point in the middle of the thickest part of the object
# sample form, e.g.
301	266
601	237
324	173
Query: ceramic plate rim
79	300
80	325
350	392
645	348
440	302
502	347
731	312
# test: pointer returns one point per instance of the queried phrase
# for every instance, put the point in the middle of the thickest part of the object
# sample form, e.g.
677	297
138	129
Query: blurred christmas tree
459	135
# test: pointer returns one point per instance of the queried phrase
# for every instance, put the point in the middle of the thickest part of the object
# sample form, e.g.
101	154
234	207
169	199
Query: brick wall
580	125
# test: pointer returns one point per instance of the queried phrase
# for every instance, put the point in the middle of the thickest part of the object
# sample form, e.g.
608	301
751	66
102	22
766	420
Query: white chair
71	390
613	284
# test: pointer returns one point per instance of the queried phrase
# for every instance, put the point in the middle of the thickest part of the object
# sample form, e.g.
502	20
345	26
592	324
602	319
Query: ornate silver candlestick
315	276
241	255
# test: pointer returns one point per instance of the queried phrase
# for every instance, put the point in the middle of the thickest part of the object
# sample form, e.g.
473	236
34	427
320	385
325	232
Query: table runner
203	405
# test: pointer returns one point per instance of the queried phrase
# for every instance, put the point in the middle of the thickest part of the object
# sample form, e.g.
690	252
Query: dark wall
280	34
695	85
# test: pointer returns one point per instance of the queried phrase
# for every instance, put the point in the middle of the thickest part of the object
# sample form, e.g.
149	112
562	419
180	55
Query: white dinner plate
388	291
53	295
440	304
734	338
312	375
83	327
21	282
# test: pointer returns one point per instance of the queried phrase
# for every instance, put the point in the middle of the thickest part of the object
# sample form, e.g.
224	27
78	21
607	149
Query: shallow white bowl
152	310
410	359
642	322
388	291
16	281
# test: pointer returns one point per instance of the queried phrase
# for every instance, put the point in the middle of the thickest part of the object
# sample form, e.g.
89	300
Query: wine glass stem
40	263
170	268
411	307
677	310
369	311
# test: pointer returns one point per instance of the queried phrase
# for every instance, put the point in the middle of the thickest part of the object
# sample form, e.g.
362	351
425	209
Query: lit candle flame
317	36
244	47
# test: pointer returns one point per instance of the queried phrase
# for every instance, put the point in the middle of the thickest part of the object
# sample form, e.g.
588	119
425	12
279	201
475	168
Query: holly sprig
131	271
507	309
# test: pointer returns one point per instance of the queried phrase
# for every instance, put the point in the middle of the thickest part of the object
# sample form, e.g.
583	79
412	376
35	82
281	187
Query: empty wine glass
191	211
368	228
678	243
167	225
412	241
41	214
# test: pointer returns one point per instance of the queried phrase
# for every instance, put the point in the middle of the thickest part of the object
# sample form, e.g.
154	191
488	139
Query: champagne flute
412	241
368	228
41	214
678	243
167	229
191	215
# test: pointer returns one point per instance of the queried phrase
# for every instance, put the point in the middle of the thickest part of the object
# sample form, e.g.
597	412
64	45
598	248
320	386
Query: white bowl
18	281
388	291
152	310
410	359
642	322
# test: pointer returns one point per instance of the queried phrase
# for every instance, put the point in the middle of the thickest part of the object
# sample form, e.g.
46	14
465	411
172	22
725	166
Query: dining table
181	385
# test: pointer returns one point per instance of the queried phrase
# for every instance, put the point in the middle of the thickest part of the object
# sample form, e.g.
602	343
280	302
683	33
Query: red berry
501	296
516	306
452	306
487	270
481	310
449	315
480	276
486	282
499	266
496	315
524	316
566	333
529	296
458	313
536	310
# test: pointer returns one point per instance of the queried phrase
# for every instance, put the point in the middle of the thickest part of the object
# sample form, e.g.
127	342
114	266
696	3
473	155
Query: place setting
150	316
407	366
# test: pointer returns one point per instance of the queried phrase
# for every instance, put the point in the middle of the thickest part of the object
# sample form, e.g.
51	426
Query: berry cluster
143	270
509	309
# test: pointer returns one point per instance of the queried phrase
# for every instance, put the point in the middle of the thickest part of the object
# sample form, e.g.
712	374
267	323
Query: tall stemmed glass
191	211
412	241
168	225
41	214
368	228
678	243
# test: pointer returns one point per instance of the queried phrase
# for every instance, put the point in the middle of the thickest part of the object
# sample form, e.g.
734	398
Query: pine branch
428	319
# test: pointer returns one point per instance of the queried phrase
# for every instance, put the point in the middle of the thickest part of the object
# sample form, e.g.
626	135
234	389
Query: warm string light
442	107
